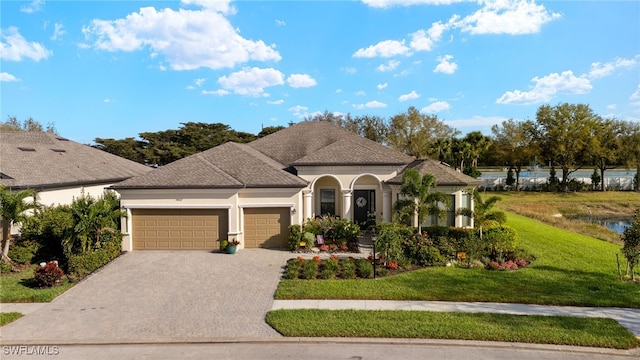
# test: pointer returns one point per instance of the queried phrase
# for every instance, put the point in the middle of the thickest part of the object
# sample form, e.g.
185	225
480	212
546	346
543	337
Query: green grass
17	288
560	330
570	269
6	318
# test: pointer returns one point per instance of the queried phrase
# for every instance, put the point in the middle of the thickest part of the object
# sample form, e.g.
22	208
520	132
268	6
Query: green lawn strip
559	330
570	269
17	288
6	318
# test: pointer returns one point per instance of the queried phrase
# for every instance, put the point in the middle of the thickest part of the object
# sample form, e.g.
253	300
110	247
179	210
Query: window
328	202
466	203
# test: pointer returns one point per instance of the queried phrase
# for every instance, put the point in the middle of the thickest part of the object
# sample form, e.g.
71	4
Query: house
253	192
59	169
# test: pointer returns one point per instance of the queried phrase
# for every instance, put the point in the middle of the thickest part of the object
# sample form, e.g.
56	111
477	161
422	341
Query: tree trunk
602	187
6	240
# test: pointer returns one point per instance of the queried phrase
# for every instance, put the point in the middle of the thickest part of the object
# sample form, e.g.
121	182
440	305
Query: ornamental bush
49	275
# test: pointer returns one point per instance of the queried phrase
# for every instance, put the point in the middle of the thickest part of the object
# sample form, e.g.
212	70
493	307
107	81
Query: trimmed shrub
429	256
364	268
382	272
348	269
293	269
501	239
295	235
23	252
80	266
4	267
327	273
49	275
309	269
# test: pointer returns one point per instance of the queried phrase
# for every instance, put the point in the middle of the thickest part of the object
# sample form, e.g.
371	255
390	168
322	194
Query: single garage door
178	229
266	227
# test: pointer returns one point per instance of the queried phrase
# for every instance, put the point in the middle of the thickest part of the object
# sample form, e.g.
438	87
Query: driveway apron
161	296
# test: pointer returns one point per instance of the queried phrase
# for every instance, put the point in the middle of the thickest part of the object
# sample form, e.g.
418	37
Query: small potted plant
232	245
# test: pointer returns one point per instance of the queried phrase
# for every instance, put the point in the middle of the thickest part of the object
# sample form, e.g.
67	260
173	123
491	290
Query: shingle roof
321	143
444	174
230	165
37	160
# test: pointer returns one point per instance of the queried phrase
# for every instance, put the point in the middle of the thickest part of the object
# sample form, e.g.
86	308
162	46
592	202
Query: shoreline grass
558	330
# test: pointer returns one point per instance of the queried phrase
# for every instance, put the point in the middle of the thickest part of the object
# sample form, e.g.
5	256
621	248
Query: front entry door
364	203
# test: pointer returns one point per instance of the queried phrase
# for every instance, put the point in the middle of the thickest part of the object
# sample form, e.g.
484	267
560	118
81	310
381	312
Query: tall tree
605	146
462	152
419	198
414	133
128	148
13	206
563	132
13	124
514	144
441	149
479	145
630	149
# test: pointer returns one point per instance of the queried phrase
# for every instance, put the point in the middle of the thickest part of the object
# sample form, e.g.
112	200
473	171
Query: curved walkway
629	318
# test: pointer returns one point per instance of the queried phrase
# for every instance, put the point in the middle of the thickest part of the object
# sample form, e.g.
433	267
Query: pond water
616	224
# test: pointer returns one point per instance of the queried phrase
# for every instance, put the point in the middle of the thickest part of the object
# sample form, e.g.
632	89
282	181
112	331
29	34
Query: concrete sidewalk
629	318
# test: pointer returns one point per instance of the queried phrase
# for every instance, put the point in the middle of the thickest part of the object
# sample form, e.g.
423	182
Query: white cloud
636	94
6	77
390	3
34	6
370	105
338	91
301	80
14	47
188	39
599	70
251	81
476	121
299	111
280	22
382	86
445	66
360	93
385	49
390	65
410	96
505	17
436	107
219	92
276	102
350	70
611	107
199	81
58	31
546	87
422	40
108	101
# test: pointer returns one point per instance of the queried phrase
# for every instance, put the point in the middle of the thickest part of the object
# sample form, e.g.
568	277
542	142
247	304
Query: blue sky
118	68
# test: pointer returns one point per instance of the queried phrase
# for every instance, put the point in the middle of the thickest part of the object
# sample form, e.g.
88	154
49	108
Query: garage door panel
266	227
175	229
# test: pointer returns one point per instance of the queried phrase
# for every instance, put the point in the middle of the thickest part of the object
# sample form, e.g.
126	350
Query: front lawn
18	288
570	269
6	318
560	330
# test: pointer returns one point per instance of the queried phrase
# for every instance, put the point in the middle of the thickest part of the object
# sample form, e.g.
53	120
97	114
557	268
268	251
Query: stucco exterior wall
231	199
65	195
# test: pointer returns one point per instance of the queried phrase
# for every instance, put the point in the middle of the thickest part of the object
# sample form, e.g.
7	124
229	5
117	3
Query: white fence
500	183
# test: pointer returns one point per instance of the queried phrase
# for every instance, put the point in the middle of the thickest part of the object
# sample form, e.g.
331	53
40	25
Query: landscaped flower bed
331	268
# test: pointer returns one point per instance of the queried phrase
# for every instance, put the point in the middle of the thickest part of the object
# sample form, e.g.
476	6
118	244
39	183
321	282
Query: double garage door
202	229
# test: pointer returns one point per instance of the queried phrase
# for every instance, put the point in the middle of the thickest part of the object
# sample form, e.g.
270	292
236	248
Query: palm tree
12	210
418	199
483	212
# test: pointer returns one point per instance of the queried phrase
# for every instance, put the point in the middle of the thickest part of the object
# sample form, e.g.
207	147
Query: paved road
327	349
158	295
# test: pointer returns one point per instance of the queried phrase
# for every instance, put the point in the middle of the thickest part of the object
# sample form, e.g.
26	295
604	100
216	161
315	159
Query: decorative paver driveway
161	296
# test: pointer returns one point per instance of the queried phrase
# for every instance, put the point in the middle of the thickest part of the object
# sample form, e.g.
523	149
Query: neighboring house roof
45	160
321	143
230	165
444	174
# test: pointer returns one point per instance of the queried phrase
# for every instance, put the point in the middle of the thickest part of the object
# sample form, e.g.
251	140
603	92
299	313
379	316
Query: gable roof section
321	143
44	160
230	165
444	174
